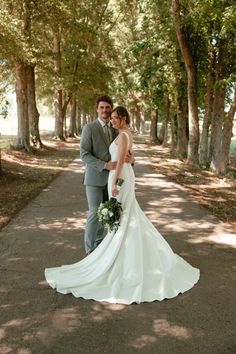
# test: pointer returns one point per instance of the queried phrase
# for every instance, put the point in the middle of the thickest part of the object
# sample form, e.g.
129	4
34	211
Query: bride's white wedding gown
135	264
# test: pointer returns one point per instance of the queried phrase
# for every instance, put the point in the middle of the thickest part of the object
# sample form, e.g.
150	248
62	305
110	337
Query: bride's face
116	121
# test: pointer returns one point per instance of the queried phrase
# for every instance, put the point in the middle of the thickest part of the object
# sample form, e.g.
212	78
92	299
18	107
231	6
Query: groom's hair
104	98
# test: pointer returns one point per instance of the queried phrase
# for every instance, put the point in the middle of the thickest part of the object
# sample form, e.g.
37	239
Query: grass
24	175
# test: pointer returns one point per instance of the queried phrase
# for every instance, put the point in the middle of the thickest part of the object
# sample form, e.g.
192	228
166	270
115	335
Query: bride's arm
121	155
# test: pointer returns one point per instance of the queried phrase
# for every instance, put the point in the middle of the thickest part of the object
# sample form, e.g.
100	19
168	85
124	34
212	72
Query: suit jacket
94	152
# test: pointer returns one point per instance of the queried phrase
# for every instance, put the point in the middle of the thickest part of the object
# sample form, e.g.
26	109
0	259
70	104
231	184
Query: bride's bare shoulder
128	133
128	139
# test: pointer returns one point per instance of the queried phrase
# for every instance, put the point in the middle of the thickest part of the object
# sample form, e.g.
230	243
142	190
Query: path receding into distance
49	232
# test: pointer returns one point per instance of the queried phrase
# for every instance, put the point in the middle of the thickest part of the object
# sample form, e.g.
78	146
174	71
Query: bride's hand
114	191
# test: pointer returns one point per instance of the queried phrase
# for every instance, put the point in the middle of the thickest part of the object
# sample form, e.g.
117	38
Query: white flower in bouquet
104	211
109	214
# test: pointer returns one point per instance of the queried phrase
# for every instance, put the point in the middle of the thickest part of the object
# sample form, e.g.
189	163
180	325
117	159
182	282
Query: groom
94	152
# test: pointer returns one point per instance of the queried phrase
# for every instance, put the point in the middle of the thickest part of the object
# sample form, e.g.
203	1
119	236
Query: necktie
107	133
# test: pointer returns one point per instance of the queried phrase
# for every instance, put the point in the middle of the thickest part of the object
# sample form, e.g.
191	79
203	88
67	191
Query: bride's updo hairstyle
122	114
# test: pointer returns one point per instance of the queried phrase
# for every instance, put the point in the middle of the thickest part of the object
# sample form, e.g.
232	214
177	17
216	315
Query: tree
218	105
203	150
227	135
192	84
18	52
3	114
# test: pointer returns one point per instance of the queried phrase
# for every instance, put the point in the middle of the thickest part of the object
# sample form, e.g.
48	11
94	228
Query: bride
135	263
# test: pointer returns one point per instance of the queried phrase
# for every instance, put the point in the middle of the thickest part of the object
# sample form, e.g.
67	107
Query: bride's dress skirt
135	264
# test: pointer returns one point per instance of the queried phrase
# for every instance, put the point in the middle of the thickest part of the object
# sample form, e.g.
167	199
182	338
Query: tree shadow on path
49	232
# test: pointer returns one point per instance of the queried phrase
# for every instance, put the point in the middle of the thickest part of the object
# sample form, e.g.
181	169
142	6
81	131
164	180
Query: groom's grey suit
94	152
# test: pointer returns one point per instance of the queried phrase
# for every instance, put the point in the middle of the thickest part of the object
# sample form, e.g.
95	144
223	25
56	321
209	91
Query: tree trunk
78	121
182	120
132	117
166	119
142	123
153	129
84	116
161	133
60	114
174	129
192	86
23	134
64	109
218	106
227	135
58	99
204	156
90	115
59	118
137	120
72	128
32	107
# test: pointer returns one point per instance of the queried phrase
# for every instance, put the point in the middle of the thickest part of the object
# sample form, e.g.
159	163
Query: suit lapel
101	132
103	137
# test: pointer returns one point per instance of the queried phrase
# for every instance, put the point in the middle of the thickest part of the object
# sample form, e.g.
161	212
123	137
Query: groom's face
104	111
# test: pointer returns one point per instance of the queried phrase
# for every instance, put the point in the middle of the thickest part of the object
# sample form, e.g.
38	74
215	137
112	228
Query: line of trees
179	64
171	61
58	51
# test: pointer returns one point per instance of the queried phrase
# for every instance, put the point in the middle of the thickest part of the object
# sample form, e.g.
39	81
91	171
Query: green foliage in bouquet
109	214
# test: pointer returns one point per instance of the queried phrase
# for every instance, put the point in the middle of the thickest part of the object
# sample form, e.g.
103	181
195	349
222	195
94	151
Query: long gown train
135	264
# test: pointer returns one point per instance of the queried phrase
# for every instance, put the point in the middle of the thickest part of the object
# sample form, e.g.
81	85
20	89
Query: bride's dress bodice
127	174
135	264
113	149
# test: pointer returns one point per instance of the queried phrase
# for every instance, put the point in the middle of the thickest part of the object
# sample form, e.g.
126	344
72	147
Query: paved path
49	232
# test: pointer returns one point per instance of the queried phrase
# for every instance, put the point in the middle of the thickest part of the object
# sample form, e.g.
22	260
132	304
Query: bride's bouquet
109	213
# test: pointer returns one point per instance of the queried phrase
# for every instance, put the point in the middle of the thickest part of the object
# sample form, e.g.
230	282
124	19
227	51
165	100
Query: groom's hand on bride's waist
130	157
110	165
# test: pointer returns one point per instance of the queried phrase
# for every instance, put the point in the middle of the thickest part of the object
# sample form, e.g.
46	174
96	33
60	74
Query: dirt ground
217	194
24	175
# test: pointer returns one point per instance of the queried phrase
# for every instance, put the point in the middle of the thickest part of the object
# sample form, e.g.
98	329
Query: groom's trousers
94	231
